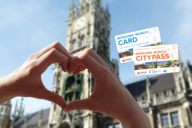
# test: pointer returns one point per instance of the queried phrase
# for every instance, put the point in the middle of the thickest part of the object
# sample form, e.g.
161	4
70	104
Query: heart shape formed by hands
108	94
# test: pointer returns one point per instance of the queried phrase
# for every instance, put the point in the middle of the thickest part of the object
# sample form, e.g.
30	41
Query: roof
158	84
163	83
137	88
32	119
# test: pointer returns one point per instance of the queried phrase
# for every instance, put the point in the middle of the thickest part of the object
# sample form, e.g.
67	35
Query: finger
52	56
97	57
79	69
55	45
48	95
73	65
79	104
90	63
101	61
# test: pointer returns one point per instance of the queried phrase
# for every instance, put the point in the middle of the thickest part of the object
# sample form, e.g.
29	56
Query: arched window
74	45
83	41
64	125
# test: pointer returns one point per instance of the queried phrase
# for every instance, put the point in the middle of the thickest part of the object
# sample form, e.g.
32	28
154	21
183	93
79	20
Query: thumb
79	104
55	98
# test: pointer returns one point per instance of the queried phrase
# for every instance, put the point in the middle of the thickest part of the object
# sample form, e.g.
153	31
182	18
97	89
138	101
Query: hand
109	96
26	81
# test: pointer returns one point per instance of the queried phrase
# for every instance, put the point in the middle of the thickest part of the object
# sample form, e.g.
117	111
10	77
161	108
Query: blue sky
26	26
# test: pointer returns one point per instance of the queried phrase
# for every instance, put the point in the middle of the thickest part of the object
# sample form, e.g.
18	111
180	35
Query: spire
84	1
25	124
188	63
72	10
107	10
40	121
148	87
16	108
188	74
72	6
21	107
107	7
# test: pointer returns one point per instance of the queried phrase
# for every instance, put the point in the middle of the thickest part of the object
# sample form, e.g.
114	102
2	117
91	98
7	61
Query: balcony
144	104
161	100
168	99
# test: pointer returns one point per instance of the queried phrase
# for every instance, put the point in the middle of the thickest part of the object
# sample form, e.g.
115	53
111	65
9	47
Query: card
156	59
127	42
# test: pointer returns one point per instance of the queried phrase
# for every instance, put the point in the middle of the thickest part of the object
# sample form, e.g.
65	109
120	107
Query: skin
109	96
26	80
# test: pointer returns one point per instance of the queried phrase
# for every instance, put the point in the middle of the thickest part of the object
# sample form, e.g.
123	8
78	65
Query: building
166	99
5	115
88	27
18	110
35	120
19	120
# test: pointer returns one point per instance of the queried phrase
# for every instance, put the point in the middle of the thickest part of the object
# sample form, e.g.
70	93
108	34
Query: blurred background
28	26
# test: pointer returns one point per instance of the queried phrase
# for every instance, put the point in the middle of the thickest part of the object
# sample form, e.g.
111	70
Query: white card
127	42
156	59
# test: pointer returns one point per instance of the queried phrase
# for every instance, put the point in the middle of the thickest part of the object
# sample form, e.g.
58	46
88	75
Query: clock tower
88	27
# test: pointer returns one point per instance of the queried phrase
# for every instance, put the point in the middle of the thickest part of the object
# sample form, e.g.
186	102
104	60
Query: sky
27	26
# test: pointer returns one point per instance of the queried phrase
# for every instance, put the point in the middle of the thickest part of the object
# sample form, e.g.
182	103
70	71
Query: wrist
137	119
132	114
6	88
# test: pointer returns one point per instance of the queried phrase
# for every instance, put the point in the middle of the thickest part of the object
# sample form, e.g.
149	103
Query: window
74	45
117	125
180	84
189	115
165	93
83	41
110	126
164	120
174	118
173	92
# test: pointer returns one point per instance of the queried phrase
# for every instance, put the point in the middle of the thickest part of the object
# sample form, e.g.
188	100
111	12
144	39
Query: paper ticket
127	42
156	59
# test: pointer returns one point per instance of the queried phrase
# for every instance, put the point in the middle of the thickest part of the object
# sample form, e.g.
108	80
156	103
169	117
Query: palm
28	76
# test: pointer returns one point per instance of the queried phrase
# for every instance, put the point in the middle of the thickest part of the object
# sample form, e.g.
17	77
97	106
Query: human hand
109	96
26	81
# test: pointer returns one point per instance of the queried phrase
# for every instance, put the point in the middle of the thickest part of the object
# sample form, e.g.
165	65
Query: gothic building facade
166	99
88	27
5	115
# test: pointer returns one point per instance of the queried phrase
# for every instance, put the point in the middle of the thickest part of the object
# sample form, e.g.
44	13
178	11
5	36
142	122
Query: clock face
80	23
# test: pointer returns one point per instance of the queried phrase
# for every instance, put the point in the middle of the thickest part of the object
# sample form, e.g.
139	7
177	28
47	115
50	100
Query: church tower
88	27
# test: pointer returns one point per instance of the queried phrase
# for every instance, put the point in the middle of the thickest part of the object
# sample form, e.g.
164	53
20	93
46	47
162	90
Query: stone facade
88	27
166	99
5	115
34	120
